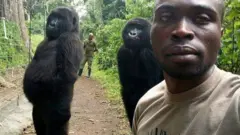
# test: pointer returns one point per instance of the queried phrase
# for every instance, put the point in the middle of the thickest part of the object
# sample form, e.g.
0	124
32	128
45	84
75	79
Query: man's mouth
181	50
182	54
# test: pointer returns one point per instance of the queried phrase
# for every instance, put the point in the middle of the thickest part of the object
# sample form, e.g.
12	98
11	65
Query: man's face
186	36
90	37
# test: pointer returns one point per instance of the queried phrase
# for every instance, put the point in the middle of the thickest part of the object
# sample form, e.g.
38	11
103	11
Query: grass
109	80
36	39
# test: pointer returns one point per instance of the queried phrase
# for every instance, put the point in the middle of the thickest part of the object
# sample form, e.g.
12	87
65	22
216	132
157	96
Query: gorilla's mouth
134	38
52	32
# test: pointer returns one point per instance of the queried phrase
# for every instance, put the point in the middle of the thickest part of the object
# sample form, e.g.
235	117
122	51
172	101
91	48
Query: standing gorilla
138	69
49	78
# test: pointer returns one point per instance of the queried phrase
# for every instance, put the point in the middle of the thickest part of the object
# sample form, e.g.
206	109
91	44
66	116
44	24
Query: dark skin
186	39
90	37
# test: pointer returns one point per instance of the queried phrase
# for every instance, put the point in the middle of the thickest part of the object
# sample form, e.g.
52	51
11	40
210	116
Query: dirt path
92	114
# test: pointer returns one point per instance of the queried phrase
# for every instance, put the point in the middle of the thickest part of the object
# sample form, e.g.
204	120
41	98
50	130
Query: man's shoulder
229	76
230	83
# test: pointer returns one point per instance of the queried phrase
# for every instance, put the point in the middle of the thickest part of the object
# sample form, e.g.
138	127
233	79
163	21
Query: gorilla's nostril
132	33
53	23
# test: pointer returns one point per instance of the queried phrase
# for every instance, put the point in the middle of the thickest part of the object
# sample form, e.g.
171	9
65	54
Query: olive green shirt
90	47
211	108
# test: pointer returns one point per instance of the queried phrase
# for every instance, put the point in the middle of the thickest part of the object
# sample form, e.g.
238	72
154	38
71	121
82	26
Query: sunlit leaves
109	40
230	58
139	8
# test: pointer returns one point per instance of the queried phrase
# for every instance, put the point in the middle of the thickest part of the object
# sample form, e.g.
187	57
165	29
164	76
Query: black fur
49	78
138	68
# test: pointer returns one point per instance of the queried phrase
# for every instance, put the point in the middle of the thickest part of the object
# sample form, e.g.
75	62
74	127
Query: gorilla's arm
152	67
43	64
124	59
69	55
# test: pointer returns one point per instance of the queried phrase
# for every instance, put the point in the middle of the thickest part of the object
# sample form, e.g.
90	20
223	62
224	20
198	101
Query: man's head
90	37
186	35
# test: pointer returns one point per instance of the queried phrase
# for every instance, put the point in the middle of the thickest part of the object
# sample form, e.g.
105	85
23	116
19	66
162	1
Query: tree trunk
13	10
1	8
21	23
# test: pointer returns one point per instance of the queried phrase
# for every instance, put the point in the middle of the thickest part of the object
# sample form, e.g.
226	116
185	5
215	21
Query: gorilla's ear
74	20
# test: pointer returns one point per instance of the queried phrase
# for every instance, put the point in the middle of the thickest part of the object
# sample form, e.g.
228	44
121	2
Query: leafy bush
230	56
12	50
37	24
109	80
36	39
109	40
140	8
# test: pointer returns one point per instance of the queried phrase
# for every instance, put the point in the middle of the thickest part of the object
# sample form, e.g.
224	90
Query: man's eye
165	17
202	19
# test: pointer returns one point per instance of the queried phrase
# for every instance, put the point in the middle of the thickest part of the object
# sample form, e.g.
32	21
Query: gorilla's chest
47	51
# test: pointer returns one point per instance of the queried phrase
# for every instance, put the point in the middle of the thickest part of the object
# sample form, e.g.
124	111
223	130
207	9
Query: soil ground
92	113
11	86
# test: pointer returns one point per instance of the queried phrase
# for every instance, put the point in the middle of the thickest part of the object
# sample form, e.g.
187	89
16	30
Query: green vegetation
230	57
36	39
12	50
109	80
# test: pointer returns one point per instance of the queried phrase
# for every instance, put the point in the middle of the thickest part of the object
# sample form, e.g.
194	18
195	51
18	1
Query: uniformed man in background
89	48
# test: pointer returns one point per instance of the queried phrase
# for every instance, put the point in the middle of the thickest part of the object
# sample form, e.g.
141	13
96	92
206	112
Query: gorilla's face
136	32
61	20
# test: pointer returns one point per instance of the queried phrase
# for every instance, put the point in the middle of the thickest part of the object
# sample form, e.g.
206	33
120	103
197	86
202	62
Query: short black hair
221	5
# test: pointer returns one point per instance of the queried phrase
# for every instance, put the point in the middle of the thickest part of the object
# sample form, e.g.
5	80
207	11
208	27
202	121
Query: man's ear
222	31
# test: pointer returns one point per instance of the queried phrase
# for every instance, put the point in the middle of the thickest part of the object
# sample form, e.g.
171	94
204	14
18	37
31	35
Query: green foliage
109	40
37	24
39	11
93	19
12	50
113	9
56	3
139	8
88	27
109	81
35	7
36	39
230	57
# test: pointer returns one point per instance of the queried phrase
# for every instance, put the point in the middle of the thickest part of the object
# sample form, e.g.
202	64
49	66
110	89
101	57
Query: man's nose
182	31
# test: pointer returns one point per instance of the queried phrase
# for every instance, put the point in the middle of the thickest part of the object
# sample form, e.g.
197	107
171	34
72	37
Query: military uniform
89	48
